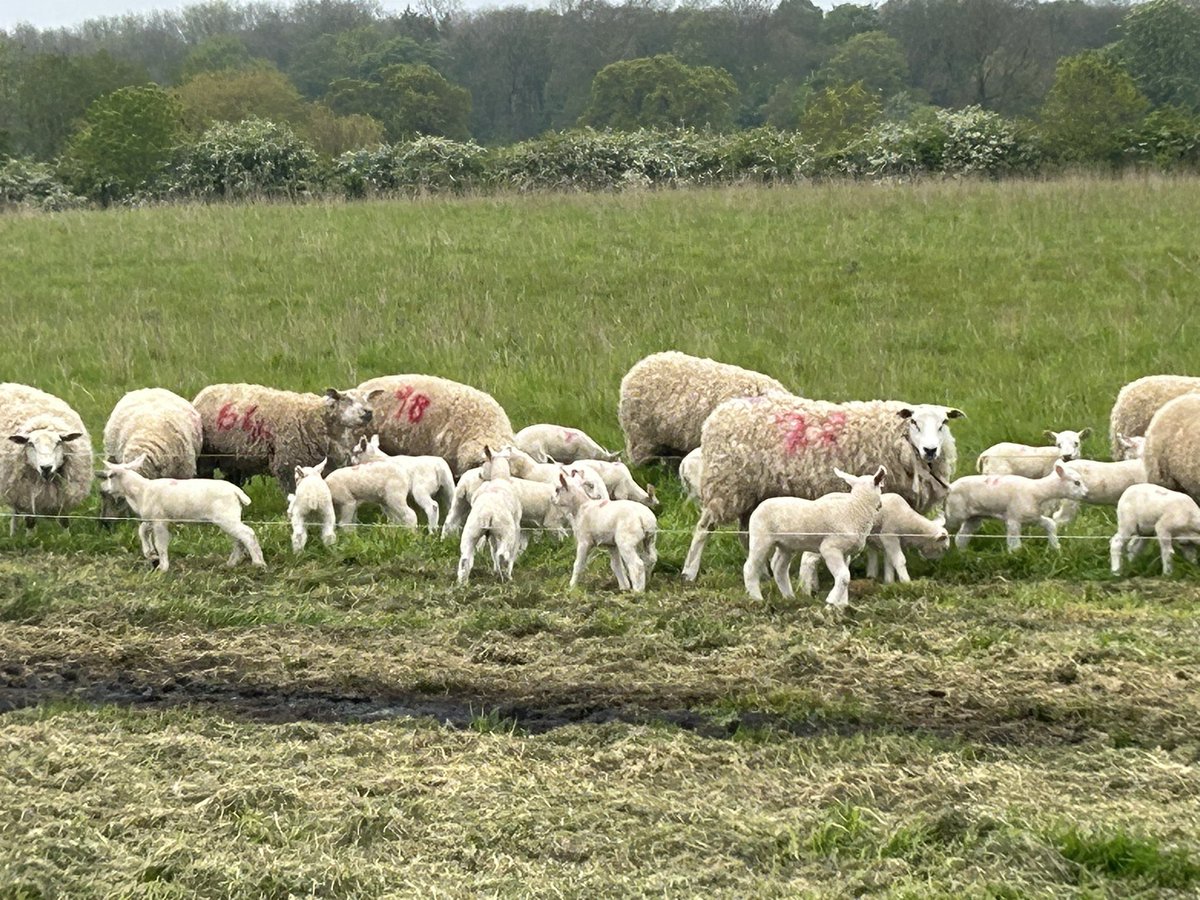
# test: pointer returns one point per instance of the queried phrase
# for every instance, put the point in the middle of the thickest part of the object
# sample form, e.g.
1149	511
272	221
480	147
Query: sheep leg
245	536
299	535
397	508
968	528
346	513
895	566
1067	512
1187	547
781	565
582	549
752	569
1165	548
1051	531
144	536
1135	546
466	554
428	506
162	537
1012	528
809	579
1115	546
873	557
328	532
691	565
835	561
459	507
744	531
628	549
618	568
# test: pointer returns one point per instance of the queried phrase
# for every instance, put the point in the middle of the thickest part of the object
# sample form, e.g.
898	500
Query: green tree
1160	46
408	100
846	20
125	143
1092	108
837	115
222	53
661	92
874	59
332	135
231	96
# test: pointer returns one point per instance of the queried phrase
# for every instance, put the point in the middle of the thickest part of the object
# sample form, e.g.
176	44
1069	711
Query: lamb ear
320	467
136	463
1050	435
298	473
880	474
1087	431
562	478
487	451
18	439
1060	470
374	442
849	479
74	435
955	413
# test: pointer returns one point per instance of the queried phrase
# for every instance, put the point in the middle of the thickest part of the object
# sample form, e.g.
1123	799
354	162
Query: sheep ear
1050	435
376	394
880	474
18	439
74	435
562	479
955	413
487	451
905	413
320	467
374	441
298	473
1059	470
1083	434
849	479
332	395
136	462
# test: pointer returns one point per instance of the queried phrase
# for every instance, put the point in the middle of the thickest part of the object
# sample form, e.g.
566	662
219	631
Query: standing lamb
254	430
158	424
901	527
626	527
1149	509
618	480
373	482
1172	454
554	443
429	477
46	461
312	500
538	512
666	397
1014	499
779	445
421	415
1007	458
1137	403
1107	481
495	516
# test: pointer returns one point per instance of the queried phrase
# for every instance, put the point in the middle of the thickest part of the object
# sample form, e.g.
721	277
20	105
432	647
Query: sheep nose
46	471
367	416
930	452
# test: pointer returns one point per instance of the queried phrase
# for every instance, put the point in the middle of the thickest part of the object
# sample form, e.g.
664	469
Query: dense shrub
249	159
1168	138
766	154
28	183
424	164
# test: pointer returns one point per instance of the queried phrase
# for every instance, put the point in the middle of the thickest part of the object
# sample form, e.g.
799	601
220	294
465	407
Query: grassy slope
1018	723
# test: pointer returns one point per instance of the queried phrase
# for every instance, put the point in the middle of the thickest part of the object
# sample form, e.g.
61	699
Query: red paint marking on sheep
568	436
415	409
801	432
229	419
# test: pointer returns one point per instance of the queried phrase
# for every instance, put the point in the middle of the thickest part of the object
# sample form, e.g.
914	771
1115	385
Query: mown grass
350	723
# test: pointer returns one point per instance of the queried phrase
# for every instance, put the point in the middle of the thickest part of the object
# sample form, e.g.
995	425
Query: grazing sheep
495	516
779	445
626	527
691	470
254	430
901	527
619	481
429	477
1007	458
156	423
1137	403
46	461
835	526
666	397
160	501
312	500
373	482
1012	498
1172	454
1149	509
524	466
421	415
554	443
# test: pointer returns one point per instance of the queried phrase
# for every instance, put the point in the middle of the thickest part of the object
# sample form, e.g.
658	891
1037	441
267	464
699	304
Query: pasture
351	723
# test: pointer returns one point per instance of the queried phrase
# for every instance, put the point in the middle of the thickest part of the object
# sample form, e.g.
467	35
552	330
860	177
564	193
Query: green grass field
350	723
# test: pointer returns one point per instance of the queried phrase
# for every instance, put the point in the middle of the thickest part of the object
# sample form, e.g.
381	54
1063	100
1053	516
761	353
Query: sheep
778	445
1138	401
46	461
691	470
1106	481
554	443
666	397
160	501
429	477
626	527
160	424
538	512
312	500
1012	498
1007	458
1150	509
495	516
371	482
423	415
901	527
835	525
618	480
253	430
525	466
1172	456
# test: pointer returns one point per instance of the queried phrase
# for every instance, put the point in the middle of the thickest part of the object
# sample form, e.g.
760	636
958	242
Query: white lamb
538	512
373	482
525	466
618	480
626	527
1014	499
429	477
834	525
1107	481
159	501
495	517
1007	458
312	501
558	444
1149	509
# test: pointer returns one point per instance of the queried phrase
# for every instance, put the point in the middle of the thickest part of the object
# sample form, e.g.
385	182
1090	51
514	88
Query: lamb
160	501
524	466
495	516
46	461
312	500
1172	454
1014	499
618	480
156	423
538	512
1137	403
1146	509
422	415
779	445
252	430
626	527
554	443
372	482
429	477
901	527
835	525
666	397
1106	481
691	470
1007	458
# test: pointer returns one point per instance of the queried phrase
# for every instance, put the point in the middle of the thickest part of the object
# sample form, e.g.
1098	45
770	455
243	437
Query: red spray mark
568	436
415	409
801	432
228	419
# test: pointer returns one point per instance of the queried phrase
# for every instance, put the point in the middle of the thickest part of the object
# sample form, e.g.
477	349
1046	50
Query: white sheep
161	501
555	443
538	512
618	480
626	527
1012	498
691	470
45	455
525	466
666	397
374	482
495	516
779	445
835	526
429	477
1172	456
311	501
1007	458
901	527
1138	401
1150	509
1106	481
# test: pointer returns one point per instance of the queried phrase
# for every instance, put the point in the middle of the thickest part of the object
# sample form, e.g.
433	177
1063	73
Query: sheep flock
748	450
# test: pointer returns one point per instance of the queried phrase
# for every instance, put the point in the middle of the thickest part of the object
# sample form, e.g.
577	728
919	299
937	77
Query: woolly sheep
538	512
1172	455
618	480
1137	403
1106	481
312	501
373	482
158	424
1012	498
779	445
46	461
1149	509
495	516
253	430
666	397
429	477
835	525
421	415
626	527
1007	458
691	470
160	501
558	444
